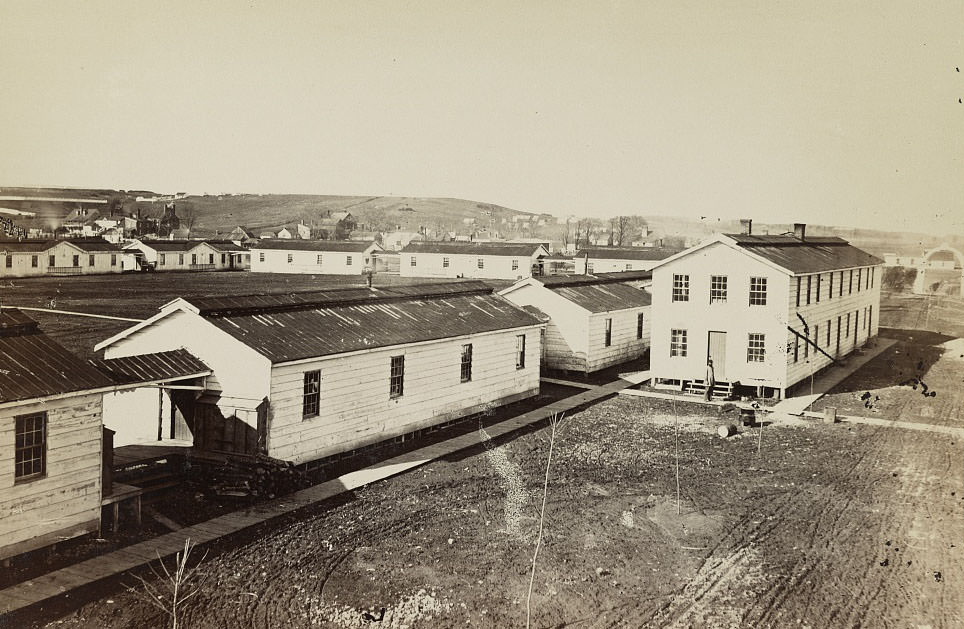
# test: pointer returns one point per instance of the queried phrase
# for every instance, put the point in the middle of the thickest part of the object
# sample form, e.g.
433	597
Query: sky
842	113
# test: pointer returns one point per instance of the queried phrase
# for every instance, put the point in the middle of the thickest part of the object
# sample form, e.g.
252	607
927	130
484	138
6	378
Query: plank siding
567	337
624	344
356	408
65	502
306	261
463	265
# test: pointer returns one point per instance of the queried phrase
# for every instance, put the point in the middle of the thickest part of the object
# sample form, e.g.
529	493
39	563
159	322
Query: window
311	398
850	283
466	370
828	326
681	287
164	259
629	267
31	446
481	263
90	260
520	351
445	263
717	288
210	258
515	265
396	385
291	258
8	261
865	318
755	349
261	256
796	347
867	275
589	268
51	260
856	324
806	344
870	316
223	258
180	258
830	292
847	329
318	259
639	326
819	282
76	260
609	333
193	258
872	277
858	279
412	261
677	343
35	261
809	283
798	291
113	259
348	260
758	291
840	290
816	336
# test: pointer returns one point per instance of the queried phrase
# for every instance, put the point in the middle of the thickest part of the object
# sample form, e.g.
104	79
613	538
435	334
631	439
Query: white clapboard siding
240	371
624	345
356	408
464	265
306	261
66	500
22	263
567	334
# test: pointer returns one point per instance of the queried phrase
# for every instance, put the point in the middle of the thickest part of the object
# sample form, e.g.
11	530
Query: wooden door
716	350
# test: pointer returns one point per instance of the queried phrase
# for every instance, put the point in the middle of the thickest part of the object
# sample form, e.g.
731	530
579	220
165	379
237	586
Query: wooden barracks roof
809	255
627	253
32	365
323	323
596	294
157	367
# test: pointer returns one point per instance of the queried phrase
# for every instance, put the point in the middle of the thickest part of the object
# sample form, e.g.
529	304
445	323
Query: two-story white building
305	376
767	310
593	322
491	260
328	257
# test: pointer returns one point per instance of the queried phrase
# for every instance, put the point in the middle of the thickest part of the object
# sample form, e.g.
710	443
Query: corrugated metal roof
812	255
627	253
603	297
157	367
474	248
286	330
32	365
14	322
313	245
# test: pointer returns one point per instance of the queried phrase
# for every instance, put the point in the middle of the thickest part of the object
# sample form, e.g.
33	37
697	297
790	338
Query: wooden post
137	510
116	517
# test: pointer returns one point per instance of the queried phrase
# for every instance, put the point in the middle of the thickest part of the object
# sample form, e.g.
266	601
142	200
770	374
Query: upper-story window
858	279
809	287
681	287
717	288
830	292
758	291
799	280
819	282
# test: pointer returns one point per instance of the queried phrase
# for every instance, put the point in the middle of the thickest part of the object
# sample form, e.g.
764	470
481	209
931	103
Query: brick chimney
800	230
746	226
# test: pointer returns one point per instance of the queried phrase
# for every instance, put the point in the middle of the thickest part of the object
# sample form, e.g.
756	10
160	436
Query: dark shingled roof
601	296
313	245
225	245
172	245
32	365
627	253
156	367
324	323
39	246
812	255
474	248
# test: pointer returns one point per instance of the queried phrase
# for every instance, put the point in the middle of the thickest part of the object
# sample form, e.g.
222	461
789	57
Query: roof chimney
746	226
800	231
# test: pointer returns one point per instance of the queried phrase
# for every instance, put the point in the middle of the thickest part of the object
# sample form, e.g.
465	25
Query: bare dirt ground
828	526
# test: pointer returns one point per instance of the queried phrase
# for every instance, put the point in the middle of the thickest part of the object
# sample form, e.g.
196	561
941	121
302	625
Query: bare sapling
679	507
554	422
172	590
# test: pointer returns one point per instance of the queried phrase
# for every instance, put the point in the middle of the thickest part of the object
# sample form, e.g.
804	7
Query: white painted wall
332	262
65	502
133	415
607	265
356	408
22	264
567	334
493	267
624	345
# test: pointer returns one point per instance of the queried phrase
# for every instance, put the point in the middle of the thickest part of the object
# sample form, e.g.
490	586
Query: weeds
554	422
175	588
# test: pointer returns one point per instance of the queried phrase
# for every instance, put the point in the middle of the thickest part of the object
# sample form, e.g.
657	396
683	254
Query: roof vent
800	231
746	226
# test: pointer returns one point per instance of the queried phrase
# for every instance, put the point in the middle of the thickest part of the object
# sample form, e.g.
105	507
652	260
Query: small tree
173	590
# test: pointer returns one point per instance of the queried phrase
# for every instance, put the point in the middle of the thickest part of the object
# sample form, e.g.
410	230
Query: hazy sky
833	112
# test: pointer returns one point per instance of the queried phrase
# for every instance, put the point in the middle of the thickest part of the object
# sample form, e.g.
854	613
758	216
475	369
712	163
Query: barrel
726	430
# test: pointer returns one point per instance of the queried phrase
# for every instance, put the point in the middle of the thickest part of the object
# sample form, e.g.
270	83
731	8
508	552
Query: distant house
610	259
50	439
184	255
471	260
170	222
287	232
333	257
242	235
334	225
61	257
593	322
769	311
305	376
397	240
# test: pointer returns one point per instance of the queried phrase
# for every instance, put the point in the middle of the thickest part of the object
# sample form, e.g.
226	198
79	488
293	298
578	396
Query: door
716	351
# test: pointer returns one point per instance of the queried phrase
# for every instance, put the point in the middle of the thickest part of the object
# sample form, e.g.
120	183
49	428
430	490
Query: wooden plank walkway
119	561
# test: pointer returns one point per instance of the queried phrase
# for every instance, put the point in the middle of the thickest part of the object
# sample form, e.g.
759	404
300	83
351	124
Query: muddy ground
827	526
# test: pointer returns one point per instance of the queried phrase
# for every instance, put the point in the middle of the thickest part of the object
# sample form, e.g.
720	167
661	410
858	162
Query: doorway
716	351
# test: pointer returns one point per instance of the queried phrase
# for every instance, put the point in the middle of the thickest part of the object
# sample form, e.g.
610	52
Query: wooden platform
119	561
